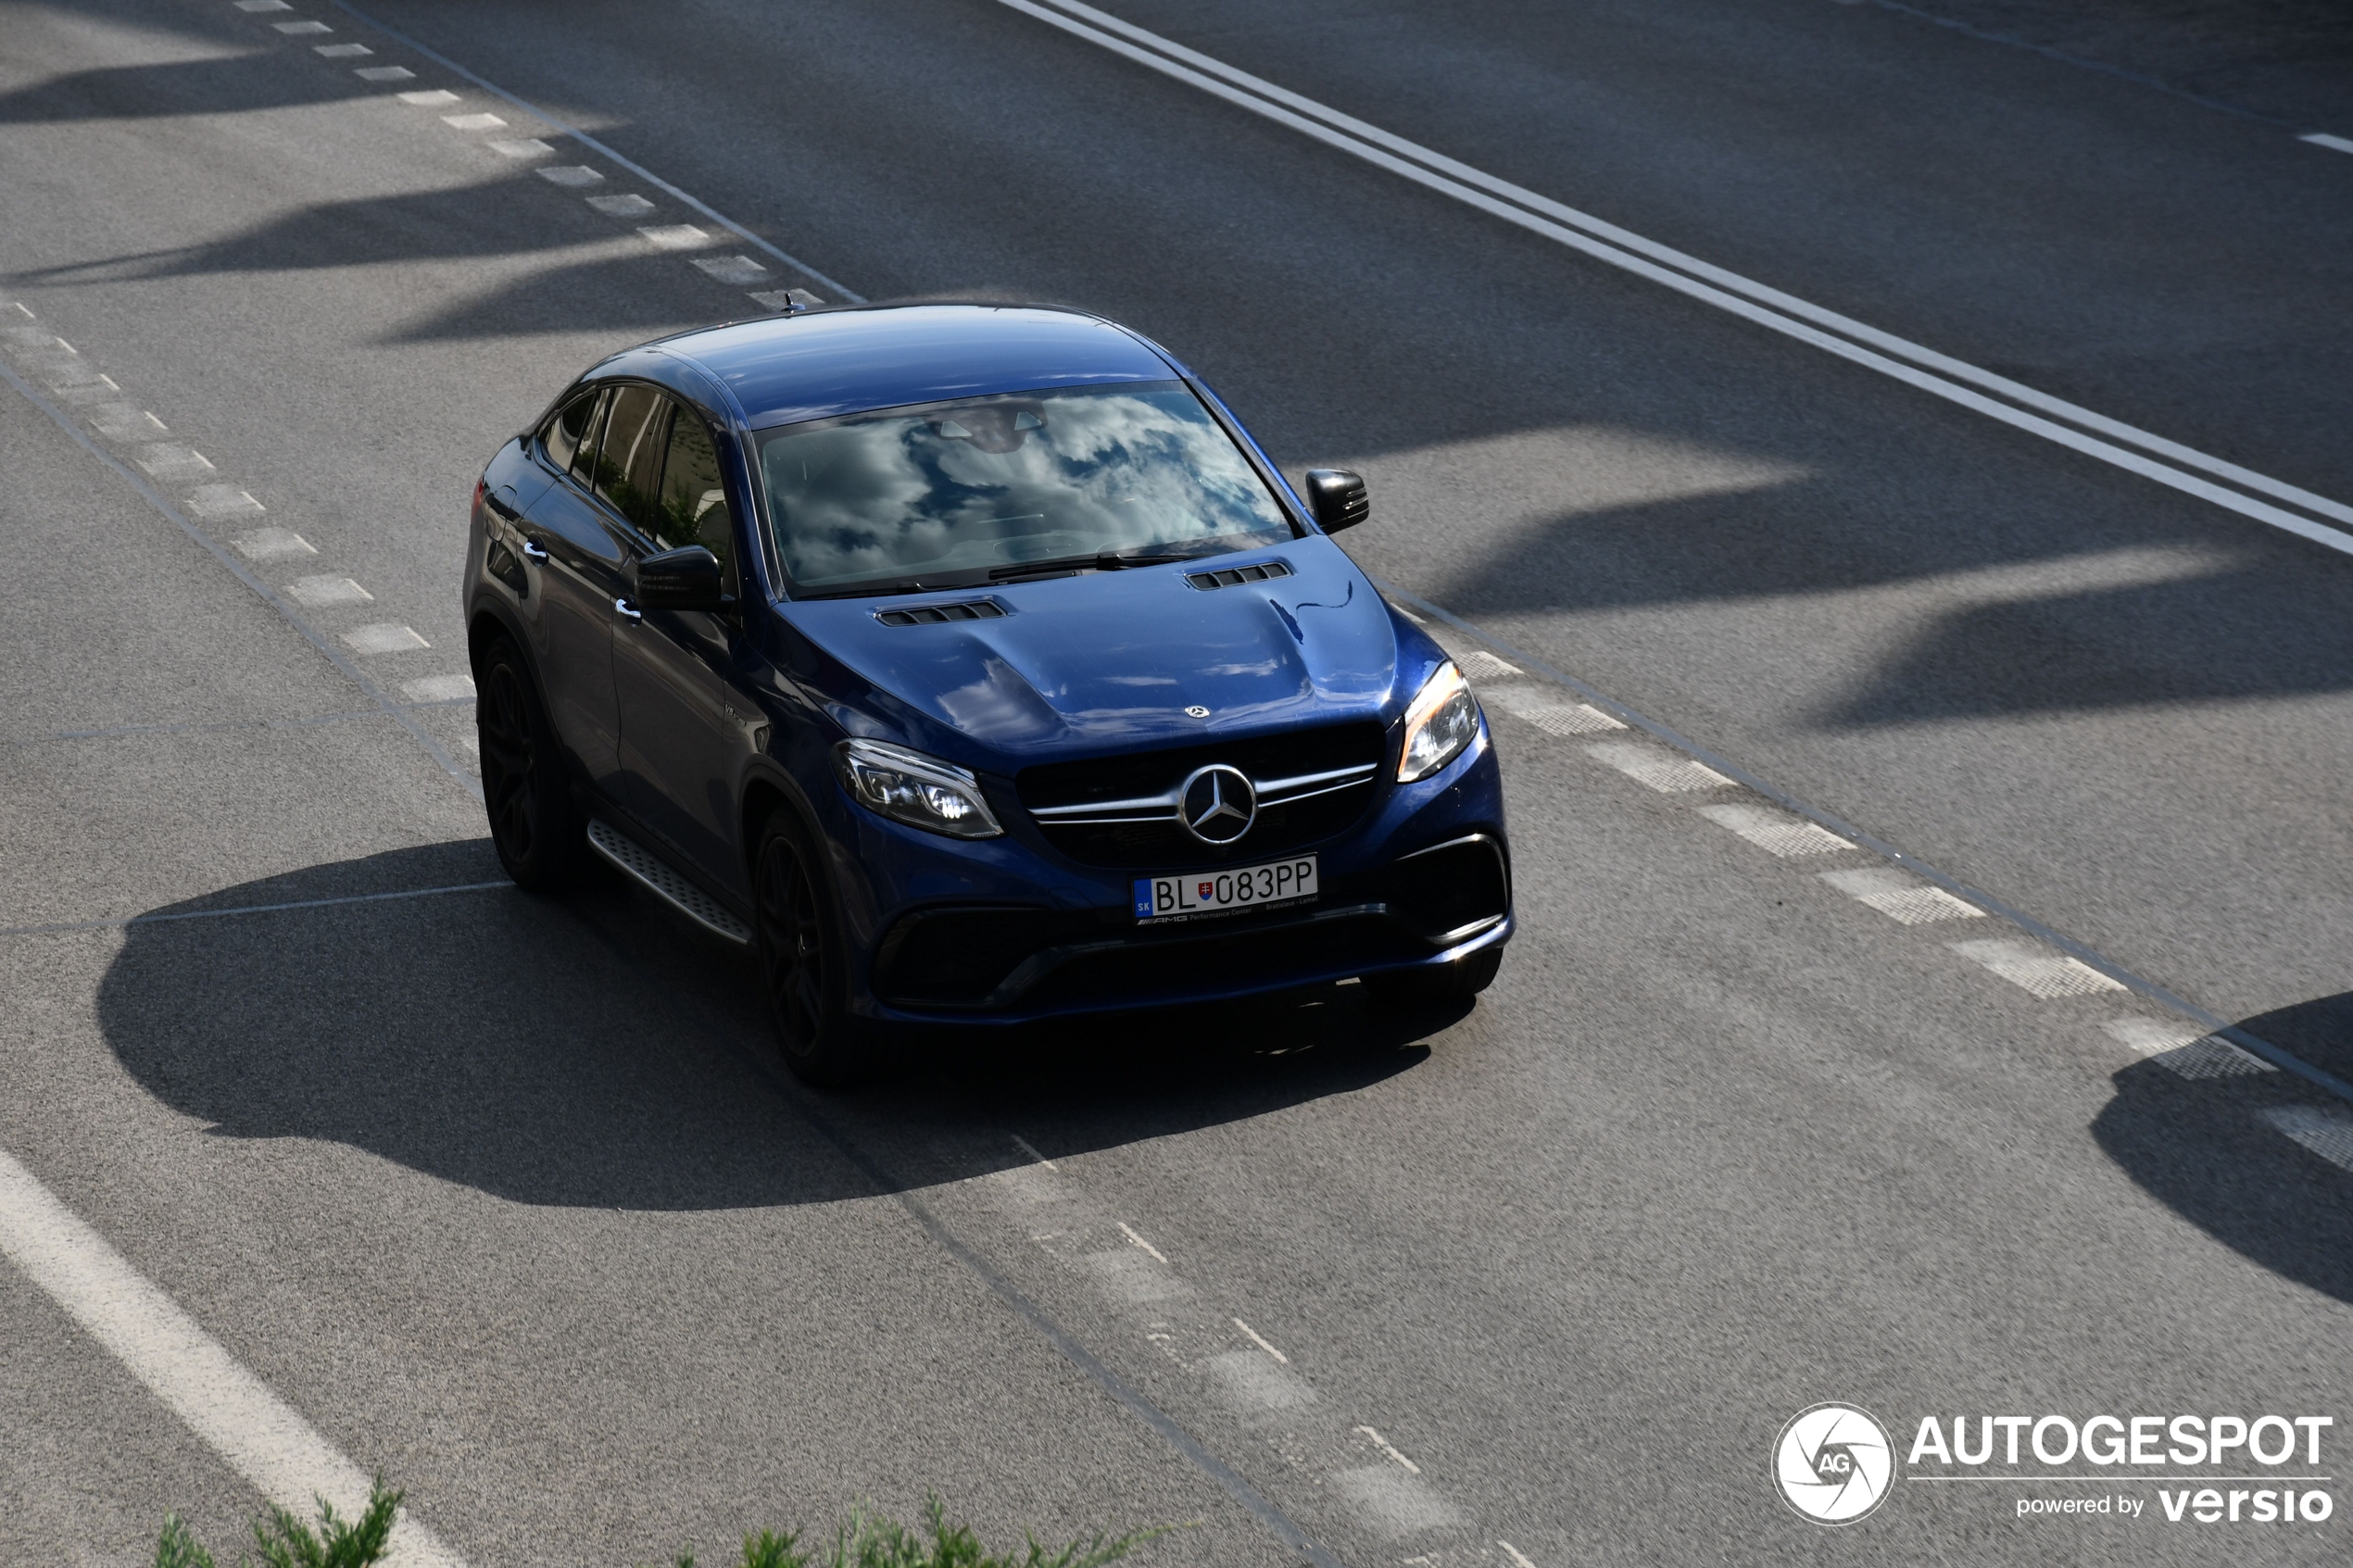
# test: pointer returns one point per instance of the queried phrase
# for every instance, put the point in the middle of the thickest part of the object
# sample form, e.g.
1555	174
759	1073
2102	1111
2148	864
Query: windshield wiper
881	590
1080	563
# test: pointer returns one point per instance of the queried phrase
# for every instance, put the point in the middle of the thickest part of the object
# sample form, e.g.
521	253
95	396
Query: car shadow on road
2237	1150
592	1050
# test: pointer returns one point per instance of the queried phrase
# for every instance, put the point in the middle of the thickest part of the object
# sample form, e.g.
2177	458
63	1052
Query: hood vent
932	615
1258	572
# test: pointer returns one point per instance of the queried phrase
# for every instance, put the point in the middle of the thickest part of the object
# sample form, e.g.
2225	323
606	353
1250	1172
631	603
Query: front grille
1164	845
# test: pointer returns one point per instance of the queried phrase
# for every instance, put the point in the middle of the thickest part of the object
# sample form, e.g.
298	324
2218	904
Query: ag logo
1832	1463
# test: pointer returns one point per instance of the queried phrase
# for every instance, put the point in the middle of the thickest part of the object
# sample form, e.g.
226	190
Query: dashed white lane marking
1127	1275
1666	772
2035	969
426	97
1903	898
787	299
1023	1144
1550	712
385	73
572	175
1776	831
676	236
1127	1231
521	147
473	121
2149	1037
438	688
125	422
320	593
383	637
628	206
2322	139
216	502
272	544
1251	1382
1480	665
294	30
736	270
1393	1501
1259	1340
263	5
169	462
1383	1445
341	51
265	1439
1518	1559
2184	1048
2326	1130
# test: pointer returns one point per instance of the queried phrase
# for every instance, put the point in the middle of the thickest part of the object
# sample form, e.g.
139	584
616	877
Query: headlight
910	787
1441	720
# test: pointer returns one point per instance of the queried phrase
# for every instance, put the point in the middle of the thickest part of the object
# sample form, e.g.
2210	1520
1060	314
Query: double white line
2111	441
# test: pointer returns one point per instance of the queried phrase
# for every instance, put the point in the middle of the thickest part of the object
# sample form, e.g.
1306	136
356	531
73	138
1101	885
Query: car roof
788	369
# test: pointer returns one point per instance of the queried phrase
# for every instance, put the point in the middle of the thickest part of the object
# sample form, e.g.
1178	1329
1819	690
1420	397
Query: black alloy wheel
800	959
534	825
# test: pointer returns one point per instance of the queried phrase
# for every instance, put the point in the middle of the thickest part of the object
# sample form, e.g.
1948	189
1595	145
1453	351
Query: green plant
285	1541
871	1539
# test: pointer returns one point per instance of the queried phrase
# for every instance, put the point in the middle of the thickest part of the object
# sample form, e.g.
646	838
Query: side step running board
654	875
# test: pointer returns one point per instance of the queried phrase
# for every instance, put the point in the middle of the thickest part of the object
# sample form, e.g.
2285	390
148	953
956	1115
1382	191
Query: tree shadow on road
2230	1146
590	1050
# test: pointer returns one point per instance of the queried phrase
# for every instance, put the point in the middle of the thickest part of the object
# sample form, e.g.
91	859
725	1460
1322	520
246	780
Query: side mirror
688	578
1337	499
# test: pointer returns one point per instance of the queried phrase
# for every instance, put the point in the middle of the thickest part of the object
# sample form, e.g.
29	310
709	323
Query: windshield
952	494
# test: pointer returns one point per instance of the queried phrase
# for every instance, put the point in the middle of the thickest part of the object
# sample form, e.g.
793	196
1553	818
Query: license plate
1199	894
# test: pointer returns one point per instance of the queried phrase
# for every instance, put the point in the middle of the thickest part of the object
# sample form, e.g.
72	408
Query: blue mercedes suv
969	664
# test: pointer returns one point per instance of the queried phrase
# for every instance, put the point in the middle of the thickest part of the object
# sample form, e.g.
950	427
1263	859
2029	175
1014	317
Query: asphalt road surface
323	1152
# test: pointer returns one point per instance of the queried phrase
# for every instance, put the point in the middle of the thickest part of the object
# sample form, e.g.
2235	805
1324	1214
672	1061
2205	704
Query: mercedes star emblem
1218	804
1197	711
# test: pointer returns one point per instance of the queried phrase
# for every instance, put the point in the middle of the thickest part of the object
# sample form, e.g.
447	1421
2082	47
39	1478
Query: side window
694	497
583	462
629	466
562	433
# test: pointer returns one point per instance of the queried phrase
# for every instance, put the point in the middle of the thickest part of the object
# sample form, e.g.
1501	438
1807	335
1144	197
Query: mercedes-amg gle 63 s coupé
972	665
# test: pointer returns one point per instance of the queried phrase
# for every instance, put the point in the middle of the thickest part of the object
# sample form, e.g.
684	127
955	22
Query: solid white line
1382	1444
1141	1242
1258	1340
263	1438
2322	139
1023	1145
1620	248
1516	1556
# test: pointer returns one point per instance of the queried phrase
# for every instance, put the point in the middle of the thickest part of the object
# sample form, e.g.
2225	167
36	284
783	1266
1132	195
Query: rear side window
629	464
694	497
583	462
565	429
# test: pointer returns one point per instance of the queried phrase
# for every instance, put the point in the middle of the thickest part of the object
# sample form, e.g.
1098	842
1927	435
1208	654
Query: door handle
628	611
534	552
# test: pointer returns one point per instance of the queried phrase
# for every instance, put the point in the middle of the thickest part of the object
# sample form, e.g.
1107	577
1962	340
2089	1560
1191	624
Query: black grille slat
935	615
1227	577
1164	845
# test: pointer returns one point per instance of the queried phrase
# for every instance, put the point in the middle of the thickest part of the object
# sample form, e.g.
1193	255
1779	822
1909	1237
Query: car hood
1114	661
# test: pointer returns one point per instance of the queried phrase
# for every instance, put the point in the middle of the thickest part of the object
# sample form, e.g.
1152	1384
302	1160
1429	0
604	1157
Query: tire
797	935
1457	982
538	832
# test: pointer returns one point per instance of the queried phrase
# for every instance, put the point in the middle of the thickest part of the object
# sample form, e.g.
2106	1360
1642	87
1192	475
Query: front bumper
1424	880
